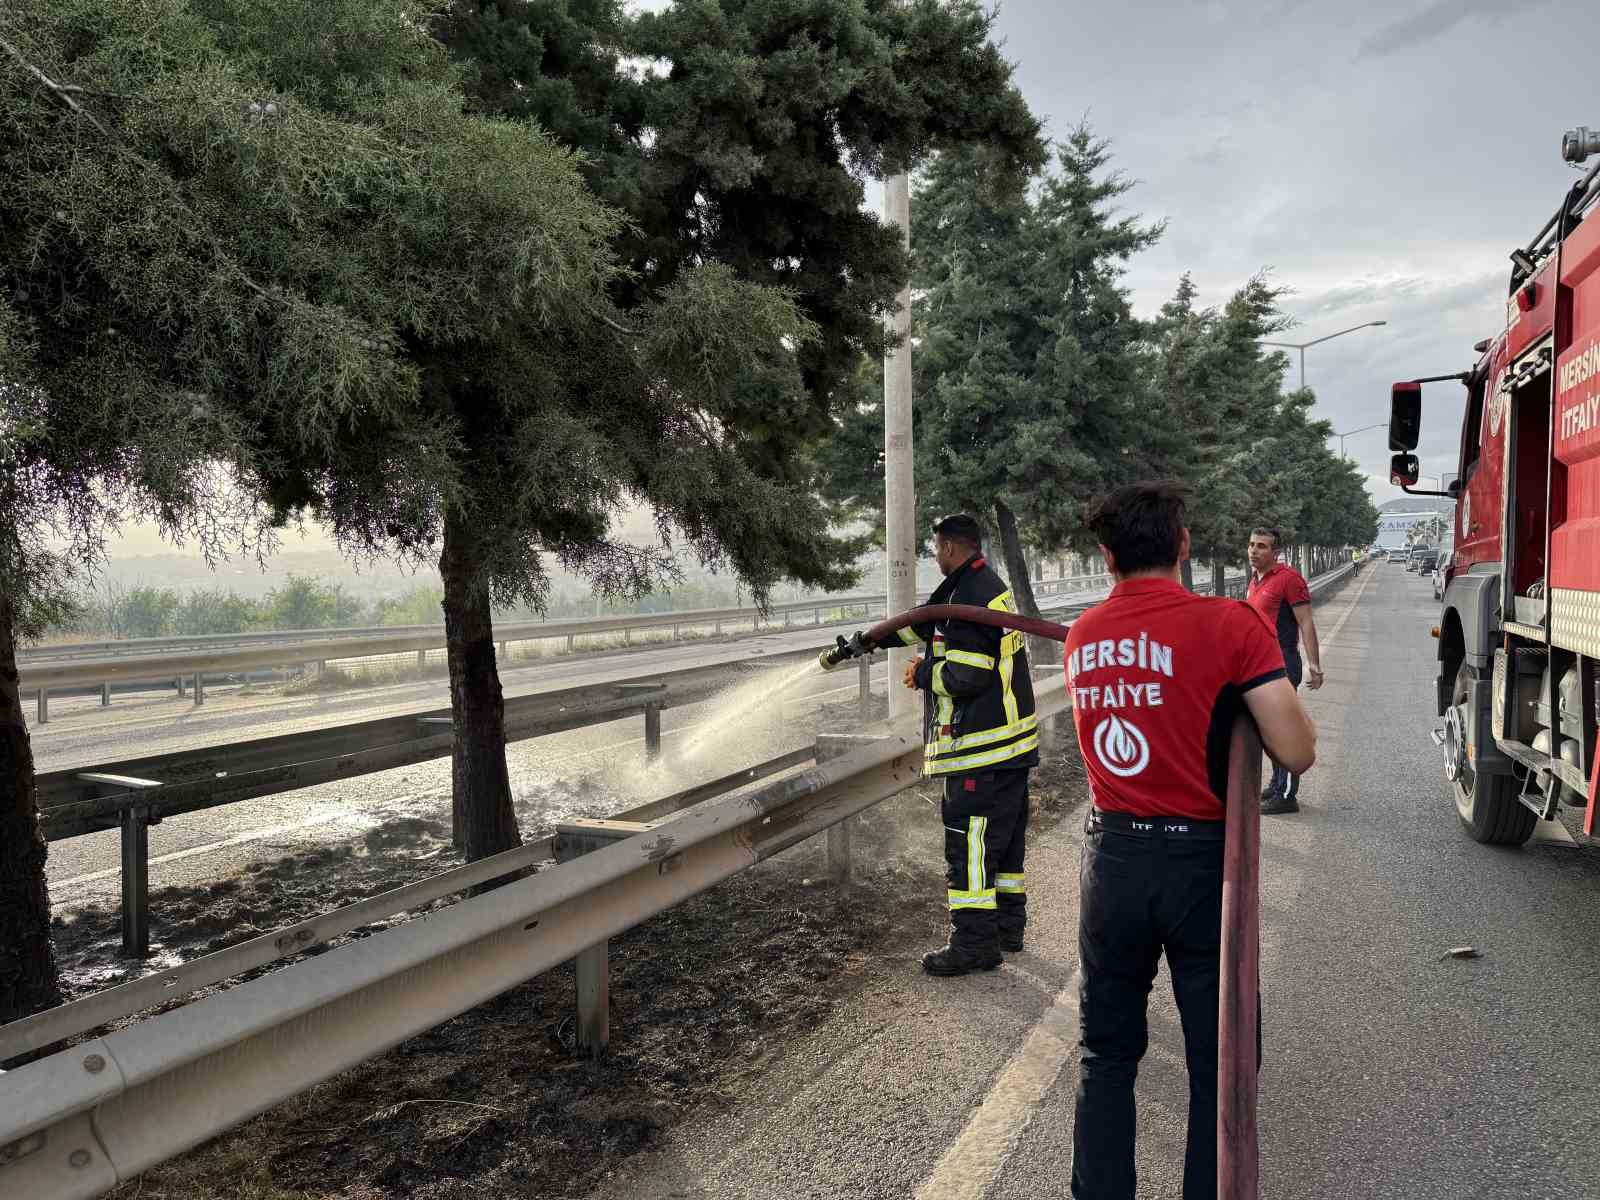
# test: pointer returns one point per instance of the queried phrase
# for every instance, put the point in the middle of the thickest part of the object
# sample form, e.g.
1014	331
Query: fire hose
1238	1170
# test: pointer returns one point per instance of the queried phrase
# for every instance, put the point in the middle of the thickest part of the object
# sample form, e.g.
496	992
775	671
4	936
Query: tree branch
63	94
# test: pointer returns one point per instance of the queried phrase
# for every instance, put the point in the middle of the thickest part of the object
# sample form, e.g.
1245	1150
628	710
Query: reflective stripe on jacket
979	712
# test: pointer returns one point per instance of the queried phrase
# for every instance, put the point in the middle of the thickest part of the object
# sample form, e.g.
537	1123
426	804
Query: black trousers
985	832
1283	781
1145	893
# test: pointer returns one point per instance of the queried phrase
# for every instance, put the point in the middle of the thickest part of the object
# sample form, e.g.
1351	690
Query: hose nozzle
842	651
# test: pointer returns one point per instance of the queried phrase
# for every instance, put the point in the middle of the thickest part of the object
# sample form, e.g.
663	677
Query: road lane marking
972	1164
237	840
1351	607
323	818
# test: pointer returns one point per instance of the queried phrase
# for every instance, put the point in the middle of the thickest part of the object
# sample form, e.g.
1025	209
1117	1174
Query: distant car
1397	555
1426	559
1440	568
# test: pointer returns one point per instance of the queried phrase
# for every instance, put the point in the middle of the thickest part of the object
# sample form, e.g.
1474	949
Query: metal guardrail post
840	852
136	881
199	689
422	660
652	732
105	695
864	707
179	684
44	706
594	999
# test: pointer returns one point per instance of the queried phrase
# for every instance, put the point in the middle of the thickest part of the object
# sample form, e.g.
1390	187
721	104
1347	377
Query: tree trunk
1219	575
1016	560
28	982
484	820
1187	568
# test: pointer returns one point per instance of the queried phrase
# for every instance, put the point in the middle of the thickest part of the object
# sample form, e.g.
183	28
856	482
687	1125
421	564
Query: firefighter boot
953	960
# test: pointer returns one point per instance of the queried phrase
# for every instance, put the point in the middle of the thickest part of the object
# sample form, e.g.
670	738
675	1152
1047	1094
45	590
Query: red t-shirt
1275	596
1157	676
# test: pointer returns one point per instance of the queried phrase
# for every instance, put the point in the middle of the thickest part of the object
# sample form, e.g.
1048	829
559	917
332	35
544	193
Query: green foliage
754	278
1027	363
212	610
1251	454
307	603
419	606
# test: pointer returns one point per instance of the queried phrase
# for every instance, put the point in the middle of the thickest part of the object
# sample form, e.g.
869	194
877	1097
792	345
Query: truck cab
1519	635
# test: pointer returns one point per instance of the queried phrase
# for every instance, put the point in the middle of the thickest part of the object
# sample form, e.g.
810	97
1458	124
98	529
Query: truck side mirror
1405	416
1404	470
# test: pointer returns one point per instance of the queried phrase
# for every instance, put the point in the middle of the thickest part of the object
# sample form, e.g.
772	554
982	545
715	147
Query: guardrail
126	999
132	794
85	1119
557	628
179	659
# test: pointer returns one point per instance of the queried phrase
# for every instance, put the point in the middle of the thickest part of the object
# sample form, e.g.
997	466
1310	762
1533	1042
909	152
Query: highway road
1390	1069
586	772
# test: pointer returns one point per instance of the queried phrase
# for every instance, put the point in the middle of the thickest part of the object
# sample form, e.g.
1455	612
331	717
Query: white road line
975	1159
1351	607
238	840
271	831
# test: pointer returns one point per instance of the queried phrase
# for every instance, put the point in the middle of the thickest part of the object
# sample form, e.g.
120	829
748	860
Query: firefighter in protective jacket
982	738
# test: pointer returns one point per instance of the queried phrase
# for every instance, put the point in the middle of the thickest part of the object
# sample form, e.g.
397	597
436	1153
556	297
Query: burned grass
499	1101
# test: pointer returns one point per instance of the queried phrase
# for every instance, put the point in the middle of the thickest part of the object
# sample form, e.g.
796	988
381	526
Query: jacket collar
1148	586
948	585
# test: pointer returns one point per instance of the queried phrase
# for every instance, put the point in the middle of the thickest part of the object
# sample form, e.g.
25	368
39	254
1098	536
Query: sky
1380	157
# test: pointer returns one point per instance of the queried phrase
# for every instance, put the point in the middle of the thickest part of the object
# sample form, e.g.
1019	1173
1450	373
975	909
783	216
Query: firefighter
1156	676
982	738
1280	594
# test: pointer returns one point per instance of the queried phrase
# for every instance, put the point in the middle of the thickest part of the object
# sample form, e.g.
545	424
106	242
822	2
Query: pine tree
1029	382
738	164
239	238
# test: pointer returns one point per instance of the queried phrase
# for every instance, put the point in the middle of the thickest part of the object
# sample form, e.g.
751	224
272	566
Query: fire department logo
1497	404
1120	746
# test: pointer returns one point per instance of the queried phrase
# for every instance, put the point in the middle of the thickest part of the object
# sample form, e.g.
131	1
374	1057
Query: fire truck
1519	635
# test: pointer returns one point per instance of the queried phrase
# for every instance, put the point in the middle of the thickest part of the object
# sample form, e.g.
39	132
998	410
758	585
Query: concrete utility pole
900	494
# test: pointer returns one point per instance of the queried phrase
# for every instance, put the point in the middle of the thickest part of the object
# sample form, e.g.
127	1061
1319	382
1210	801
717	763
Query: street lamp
1353	432
1301	346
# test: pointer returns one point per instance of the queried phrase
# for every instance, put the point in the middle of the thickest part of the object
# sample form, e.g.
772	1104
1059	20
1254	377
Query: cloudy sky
1382	157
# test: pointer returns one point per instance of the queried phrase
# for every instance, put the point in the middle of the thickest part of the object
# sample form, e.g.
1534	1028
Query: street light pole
1353	432
1302	346
899	500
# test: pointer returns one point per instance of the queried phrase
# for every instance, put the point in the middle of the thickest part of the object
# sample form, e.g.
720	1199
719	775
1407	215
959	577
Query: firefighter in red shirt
1157	676
1279	593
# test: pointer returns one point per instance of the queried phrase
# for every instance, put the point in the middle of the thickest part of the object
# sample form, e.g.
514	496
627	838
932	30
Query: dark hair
1268	531
1141	524
960	528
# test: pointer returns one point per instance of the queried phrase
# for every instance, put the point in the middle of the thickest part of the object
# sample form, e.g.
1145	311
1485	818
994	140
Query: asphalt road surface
584	772
1390	1069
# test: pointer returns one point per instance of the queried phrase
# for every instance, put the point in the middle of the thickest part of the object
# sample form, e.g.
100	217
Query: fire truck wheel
1487	804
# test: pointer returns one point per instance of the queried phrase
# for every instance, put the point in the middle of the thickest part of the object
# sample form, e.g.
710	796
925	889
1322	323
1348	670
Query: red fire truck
1519	637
